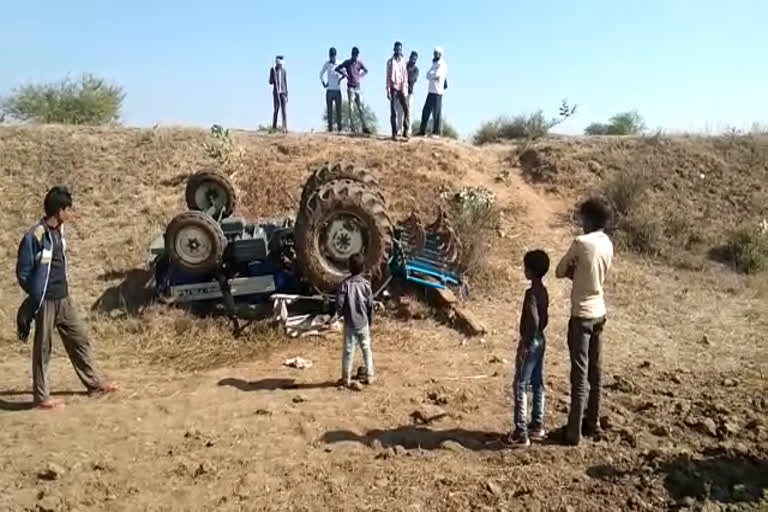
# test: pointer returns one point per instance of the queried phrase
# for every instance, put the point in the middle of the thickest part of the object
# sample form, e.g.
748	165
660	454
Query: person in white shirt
397	88
437	82
586	264
331	81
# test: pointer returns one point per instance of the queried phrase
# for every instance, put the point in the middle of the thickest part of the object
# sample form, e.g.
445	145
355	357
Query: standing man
279	83
397	85
354	70
41	269
586	264
332	84
413	77
436	78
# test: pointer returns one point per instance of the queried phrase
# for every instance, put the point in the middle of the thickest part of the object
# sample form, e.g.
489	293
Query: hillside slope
204	421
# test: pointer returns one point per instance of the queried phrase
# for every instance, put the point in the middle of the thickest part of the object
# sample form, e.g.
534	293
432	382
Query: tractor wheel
338	171
342	218
195	242
211	192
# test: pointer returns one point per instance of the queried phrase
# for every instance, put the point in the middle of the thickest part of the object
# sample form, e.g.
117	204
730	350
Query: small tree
448	129
87	100
371	121
624	123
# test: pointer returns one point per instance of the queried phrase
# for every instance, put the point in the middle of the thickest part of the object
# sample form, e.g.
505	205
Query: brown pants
584	344
60	314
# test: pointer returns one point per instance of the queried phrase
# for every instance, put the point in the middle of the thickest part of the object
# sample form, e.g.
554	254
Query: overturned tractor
208	255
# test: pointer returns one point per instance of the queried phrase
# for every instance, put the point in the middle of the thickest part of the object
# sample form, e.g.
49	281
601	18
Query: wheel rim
211	195
342	236
193	245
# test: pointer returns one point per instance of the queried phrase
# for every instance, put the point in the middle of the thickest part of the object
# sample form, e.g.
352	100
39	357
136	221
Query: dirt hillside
207	422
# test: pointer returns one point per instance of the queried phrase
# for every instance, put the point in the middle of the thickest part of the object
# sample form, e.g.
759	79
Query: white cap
438	49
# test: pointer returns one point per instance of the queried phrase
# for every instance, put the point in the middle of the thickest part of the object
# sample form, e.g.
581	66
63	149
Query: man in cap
437	81
332	84
279	83
397	85
354	70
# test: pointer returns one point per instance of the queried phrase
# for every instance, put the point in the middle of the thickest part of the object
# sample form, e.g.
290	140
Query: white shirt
333	77
436	76
589	258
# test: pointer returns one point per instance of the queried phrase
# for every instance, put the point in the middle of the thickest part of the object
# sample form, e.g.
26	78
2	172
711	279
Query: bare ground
205	422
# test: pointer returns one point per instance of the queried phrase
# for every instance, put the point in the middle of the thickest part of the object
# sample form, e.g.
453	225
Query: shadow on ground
718	476
13	406
272	384
131	296
415	437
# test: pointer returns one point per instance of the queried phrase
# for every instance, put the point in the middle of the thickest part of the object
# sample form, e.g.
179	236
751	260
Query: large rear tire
337	171
209	191
195	242
342	218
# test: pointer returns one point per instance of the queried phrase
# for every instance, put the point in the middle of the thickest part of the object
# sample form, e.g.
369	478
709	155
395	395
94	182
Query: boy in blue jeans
354	302
530	352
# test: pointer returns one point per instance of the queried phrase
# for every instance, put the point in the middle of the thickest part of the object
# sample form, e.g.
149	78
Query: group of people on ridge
401	78
586	264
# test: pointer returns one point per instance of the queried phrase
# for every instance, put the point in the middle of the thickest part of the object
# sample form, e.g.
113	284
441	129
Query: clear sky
689	65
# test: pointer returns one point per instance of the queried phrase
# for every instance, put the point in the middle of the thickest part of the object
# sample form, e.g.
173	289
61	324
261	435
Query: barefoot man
41	269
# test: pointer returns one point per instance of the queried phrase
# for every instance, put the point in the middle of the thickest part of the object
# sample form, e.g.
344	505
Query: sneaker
537	432
518	438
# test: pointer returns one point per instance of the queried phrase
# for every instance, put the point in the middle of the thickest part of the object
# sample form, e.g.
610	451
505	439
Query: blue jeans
530	371
353	337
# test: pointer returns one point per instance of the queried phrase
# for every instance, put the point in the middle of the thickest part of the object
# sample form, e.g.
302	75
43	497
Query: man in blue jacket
41	269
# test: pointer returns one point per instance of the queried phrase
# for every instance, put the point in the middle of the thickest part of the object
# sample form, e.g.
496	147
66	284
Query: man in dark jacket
41	270
279	82
354	303
413	77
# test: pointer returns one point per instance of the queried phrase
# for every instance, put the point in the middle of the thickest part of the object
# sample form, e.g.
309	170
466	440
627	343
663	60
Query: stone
729	428
356	386
661	431
299	399
730	383
676	379
204	468
400	450
707	426
687	501
494	488
452	446
705	340
754	424
644	365
52	471
377	445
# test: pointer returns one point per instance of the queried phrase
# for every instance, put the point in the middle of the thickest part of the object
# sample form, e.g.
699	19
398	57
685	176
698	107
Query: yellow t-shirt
587	263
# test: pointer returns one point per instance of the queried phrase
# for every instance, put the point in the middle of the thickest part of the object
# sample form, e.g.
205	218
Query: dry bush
625	190
475	217
746	249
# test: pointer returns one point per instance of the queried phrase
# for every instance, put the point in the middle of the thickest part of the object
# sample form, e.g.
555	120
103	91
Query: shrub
87	100
625	190
222	148
447	131
369	115
474	216
625	123
523	126
642	231
746	248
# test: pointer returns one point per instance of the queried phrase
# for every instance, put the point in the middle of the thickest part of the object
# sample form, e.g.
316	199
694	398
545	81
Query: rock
705	340
356	386
400	450
687	501
497	360
721	409
661	431
263	412
595	167
428	414
710	507
707	426
376	445
494	488
683	408
676	379
299	399
628	437
437	398
452	446
623	384
730	383
381	482
728	428
606	422
48	504
204	468
754	424
52	471
644	365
